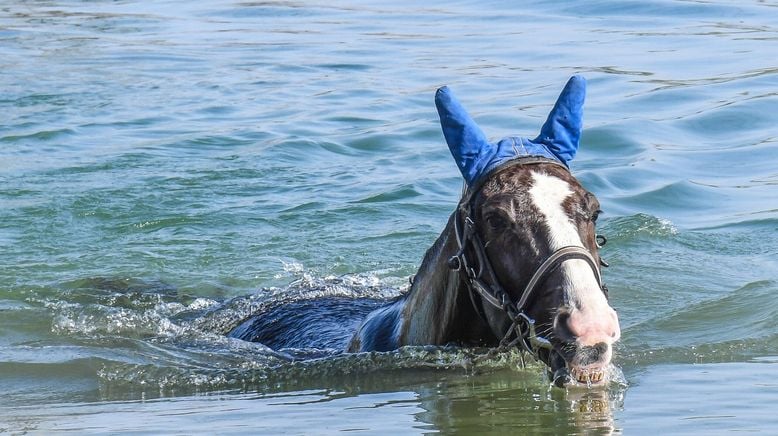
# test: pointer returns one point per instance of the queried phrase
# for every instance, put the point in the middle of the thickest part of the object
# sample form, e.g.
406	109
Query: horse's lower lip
561	377
559	372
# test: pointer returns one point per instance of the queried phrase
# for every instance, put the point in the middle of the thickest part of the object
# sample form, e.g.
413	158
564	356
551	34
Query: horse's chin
567	374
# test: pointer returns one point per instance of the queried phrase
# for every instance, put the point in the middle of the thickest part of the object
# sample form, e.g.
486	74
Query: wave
626	228
733	326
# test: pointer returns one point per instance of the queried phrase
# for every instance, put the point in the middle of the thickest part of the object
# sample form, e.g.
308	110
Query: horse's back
322	323
380	330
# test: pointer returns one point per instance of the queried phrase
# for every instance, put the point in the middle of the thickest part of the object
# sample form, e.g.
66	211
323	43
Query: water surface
167	168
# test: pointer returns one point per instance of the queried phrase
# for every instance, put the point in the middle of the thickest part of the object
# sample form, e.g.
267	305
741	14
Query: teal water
168	167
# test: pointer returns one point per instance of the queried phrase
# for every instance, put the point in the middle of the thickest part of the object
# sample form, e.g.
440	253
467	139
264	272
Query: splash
255	369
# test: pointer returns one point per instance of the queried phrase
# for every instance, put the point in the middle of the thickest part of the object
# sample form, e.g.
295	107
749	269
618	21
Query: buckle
455	263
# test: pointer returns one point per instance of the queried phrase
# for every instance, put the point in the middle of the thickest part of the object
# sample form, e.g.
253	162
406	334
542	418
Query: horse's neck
438	309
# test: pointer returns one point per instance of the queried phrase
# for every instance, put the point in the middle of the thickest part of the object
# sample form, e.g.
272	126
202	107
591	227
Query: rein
480	278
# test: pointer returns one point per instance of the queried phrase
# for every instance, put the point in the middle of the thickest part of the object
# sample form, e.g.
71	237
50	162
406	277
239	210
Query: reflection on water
413	401
499	404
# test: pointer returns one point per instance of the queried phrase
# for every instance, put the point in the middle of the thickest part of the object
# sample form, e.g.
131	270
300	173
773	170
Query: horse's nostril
590	325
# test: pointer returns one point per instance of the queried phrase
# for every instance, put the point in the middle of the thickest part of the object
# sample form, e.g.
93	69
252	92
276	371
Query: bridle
482	282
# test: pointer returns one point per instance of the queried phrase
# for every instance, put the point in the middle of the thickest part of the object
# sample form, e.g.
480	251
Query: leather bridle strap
493	292
556	258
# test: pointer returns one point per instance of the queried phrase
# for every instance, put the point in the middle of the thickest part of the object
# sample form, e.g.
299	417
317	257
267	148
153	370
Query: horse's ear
562	130
465	139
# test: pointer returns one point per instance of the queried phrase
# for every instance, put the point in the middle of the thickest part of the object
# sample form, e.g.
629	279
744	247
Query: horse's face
524	214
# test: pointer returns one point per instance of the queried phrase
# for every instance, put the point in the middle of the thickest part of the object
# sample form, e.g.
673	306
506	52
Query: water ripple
163	163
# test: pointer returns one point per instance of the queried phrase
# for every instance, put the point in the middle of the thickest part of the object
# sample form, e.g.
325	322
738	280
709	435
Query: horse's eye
595	215
496	221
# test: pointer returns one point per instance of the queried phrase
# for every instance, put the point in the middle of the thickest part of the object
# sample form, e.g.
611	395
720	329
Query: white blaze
580	284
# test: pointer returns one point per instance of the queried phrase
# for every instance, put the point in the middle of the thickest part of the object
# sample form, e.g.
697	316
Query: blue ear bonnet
476	156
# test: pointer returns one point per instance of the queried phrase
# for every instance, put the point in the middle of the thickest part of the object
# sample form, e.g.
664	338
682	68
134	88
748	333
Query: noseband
481	280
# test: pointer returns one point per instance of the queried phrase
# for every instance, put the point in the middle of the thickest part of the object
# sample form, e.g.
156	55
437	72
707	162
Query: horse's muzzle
584	349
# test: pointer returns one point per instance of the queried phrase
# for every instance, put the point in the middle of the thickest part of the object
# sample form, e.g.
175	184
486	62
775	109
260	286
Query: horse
517	264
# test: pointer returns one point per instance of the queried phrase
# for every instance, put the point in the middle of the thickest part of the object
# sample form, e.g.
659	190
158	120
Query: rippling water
166	168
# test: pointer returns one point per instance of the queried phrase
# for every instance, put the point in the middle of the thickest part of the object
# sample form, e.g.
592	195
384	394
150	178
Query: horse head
528	247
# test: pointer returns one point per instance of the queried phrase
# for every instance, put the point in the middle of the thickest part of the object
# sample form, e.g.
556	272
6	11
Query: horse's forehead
548	190
534	188
550	196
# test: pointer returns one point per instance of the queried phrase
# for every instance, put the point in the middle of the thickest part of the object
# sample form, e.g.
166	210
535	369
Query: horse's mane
428	263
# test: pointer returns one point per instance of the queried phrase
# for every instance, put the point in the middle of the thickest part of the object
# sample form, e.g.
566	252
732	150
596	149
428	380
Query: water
168	167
